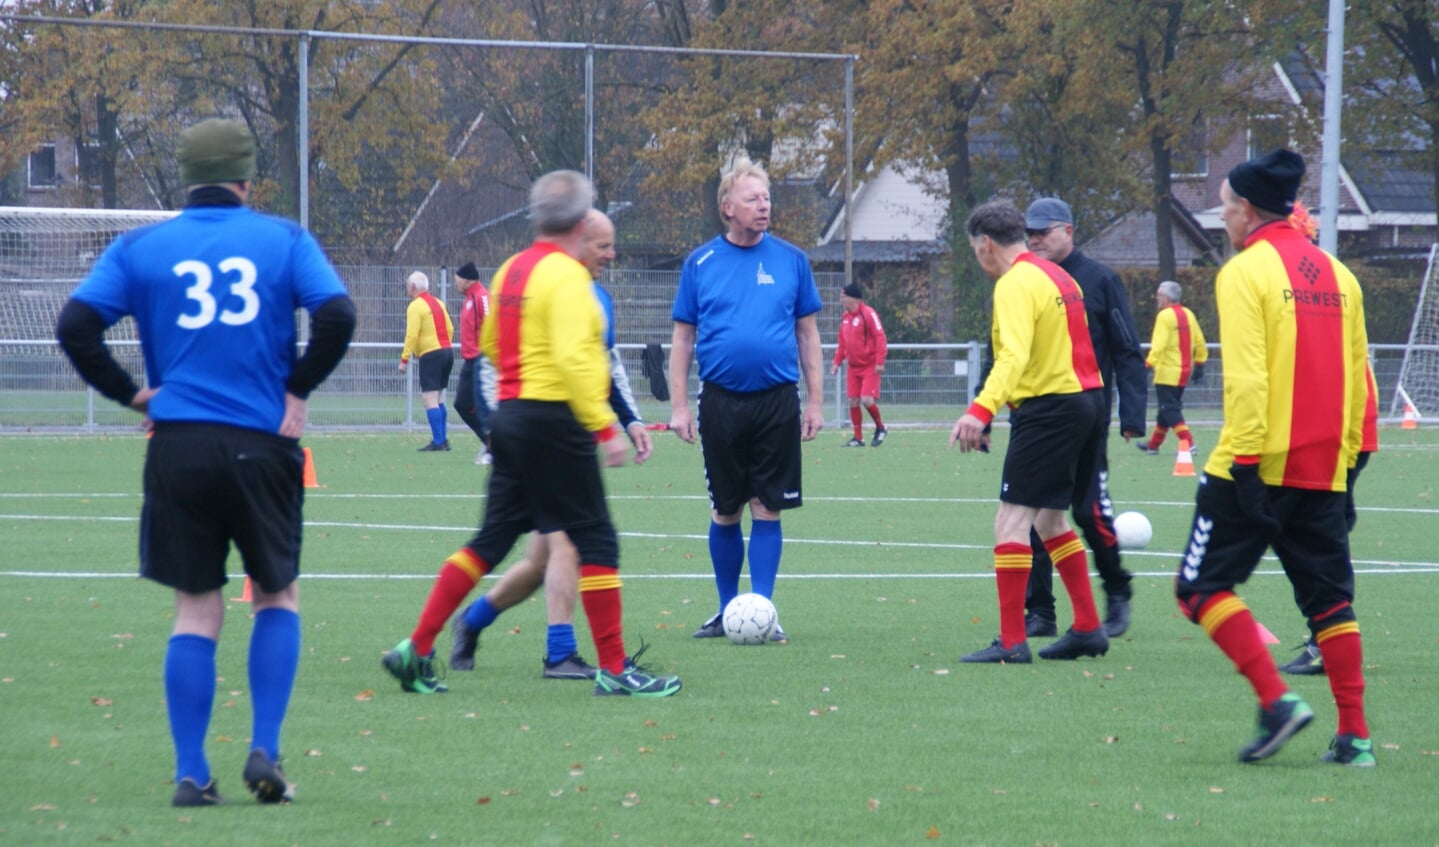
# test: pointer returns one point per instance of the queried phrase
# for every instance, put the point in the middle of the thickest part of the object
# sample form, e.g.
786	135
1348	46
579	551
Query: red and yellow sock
1233	629
457	577
600	594
856	419
1011	577
1158	437
1343	653
1186	438
1067	553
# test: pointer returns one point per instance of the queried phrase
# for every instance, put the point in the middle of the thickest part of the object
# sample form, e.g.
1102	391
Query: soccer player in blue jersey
213	293
746	310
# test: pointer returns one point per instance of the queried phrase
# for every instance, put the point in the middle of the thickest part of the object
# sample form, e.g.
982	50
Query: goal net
1419	374
44	253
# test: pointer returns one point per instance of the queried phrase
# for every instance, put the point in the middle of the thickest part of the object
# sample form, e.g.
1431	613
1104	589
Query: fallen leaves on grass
932	833
630	800
873	804
102	701
365	696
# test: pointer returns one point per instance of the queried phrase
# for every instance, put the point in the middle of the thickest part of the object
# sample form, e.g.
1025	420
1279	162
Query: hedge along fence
1391	292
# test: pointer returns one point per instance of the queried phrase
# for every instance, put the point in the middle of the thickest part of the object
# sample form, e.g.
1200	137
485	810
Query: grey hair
741	168
1171	289
1001	220
418	281
559	201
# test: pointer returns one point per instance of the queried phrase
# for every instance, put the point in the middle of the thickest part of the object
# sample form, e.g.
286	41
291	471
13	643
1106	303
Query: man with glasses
1049	226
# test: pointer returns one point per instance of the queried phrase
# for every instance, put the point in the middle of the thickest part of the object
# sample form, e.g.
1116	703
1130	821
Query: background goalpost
1419	374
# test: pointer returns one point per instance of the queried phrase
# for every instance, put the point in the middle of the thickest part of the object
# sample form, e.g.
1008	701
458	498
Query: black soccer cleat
997	654
188	793
265	779
1072	645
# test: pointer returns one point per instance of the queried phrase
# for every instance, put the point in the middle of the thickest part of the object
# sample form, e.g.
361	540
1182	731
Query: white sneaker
483	457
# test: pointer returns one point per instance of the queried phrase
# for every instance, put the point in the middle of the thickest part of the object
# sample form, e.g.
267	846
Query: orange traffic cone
1184	463
1411	417
246	595
310	480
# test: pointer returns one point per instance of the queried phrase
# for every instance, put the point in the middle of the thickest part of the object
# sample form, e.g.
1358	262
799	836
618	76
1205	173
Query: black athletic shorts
435	367
1054	443
1225	544
1171	405
546	477
751	448
207	486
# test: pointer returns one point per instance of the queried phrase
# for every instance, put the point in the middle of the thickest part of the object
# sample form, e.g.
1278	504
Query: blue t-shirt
607	302
743	303
214	293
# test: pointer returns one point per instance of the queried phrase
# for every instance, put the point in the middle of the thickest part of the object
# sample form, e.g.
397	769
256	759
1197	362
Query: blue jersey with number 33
213	294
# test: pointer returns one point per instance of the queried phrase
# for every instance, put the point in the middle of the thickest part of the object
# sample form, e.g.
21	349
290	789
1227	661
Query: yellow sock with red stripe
1186	438
856	419
1232	628
600	594
1011	577
1067	553
457	577
1343	653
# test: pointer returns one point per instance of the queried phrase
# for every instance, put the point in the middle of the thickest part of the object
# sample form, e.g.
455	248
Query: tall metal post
1333	103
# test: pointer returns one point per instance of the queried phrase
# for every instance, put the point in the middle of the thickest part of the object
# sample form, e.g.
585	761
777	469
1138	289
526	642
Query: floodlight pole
304	131
849	170
590	111
1333	103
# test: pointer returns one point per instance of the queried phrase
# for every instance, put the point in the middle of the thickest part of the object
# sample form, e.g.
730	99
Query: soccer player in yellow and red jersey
1177	355
1295	353
428	329
546	338
1045	369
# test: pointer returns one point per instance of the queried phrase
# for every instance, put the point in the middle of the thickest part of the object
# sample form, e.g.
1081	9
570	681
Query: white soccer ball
1133	530
749	619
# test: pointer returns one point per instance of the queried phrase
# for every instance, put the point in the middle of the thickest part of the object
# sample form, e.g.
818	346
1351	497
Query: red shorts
861	382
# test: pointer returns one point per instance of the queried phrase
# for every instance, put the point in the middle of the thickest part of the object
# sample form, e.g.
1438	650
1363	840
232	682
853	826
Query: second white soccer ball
749	619
1133	530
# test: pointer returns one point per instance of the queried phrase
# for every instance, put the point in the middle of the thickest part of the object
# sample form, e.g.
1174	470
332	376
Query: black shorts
1054	444
435	367
207	486
751	448
1171	405
1225	545
546	477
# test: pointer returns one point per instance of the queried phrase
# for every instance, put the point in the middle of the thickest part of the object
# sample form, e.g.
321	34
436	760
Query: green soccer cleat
1276	726
415	673
1351	751
635	680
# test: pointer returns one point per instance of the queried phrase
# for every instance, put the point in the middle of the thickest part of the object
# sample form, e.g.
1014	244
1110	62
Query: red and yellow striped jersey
545	335
1295	351
1176	346
1041	338
427	326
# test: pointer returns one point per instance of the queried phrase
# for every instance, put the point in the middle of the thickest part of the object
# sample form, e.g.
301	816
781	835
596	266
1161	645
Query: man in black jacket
1050	227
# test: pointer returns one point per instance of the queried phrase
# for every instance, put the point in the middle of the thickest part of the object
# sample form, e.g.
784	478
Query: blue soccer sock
766	543
560	641
727	556
444	424
481	614
274	658
436	417
189	699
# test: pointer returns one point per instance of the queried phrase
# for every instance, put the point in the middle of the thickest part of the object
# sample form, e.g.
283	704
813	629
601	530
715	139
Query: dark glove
1253	496
1196	375
1351	517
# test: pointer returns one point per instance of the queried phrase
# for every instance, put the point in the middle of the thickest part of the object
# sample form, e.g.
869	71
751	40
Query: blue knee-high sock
436	417
274	657
560	641
481	614
444	424
766	543
189	699
727	556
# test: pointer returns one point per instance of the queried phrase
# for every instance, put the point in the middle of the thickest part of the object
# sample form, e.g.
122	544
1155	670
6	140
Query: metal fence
924	385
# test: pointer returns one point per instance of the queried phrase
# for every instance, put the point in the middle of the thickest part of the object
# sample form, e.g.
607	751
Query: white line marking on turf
1409	569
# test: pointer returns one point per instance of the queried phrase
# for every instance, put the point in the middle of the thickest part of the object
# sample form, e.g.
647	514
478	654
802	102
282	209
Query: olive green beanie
216	150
